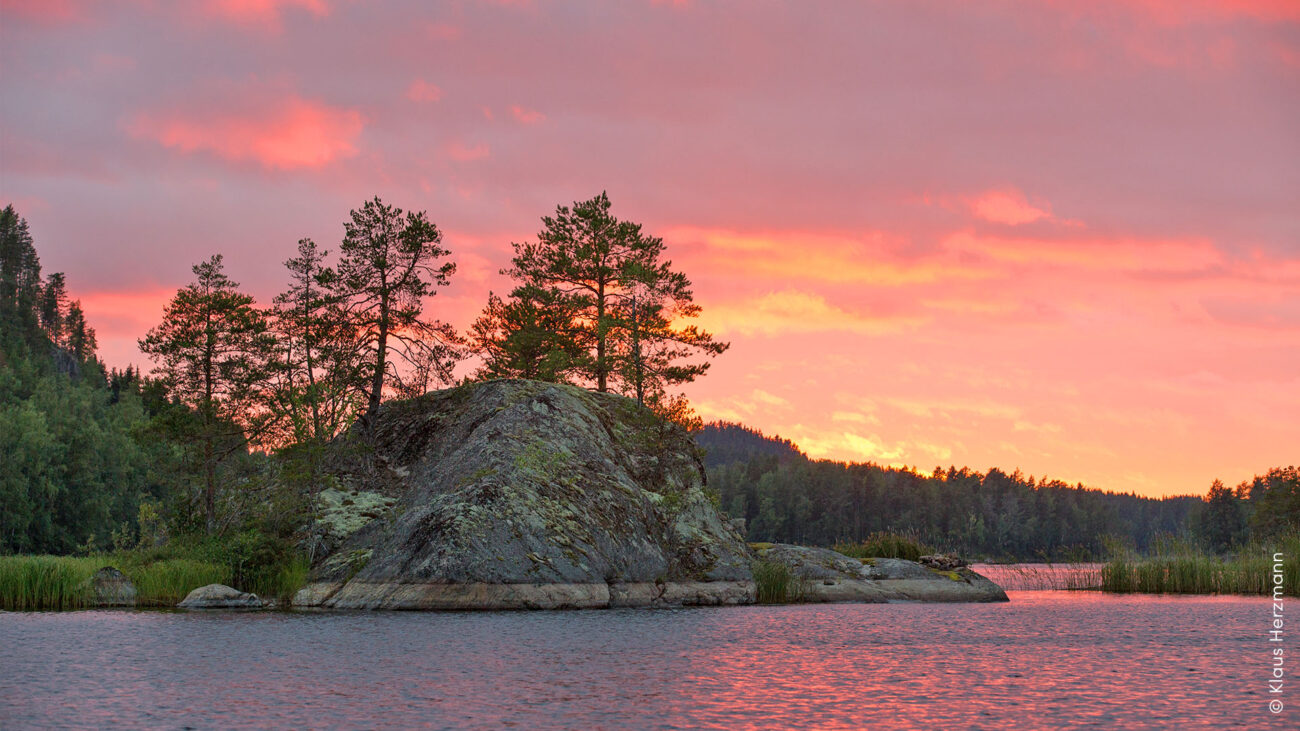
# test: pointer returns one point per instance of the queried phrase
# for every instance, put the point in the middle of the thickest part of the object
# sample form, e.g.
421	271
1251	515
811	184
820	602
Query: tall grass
778	584
45	582
165	583
279	582
161	580
1044	576
886	545
1177	567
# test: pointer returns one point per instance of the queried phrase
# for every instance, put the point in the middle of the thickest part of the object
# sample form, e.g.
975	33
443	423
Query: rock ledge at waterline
526	495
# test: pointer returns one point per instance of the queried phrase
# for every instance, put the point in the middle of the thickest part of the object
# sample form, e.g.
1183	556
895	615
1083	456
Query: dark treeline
226	436
786	497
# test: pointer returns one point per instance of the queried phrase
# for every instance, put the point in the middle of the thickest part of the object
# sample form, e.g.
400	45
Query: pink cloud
1177	12
293	133
422	91
46	12
790	311
264	13
442	31
461	153
865	257
524	115
1008	206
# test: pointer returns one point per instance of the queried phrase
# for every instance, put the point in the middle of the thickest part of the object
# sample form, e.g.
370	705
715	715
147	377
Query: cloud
1008	206
461	152
767	399
265	14
290	134
47	12
1182	12
868	257
526	116
422	91
792	311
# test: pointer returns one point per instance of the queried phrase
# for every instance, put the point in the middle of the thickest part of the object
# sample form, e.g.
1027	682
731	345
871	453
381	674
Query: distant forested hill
726	443
786	497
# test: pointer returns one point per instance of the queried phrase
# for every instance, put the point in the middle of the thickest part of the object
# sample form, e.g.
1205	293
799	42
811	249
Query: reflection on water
1044	659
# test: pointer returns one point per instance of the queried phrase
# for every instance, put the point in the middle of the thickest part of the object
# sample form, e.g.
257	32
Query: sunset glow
1067	244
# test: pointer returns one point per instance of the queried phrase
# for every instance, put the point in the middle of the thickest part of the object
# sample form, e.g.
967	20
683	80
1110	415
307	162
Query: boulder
828	576
220	596
519	494
110	588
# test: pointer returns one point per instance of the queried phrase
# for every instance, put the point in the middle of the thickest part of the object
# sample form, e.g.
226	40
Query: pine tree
531	335
621	299
212	350
316	365
388	266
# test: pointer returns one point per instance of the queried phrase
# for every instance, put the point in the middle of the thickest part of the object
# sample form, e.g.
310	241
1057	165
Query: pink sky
1058	236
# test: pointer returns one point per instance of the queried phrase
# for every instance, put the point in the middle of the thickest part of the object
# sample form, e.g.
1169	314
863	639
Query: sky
1053	236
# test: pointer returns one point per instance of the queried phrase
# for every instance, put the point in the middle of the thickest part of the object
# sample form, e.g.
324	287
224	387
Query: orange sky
1055	236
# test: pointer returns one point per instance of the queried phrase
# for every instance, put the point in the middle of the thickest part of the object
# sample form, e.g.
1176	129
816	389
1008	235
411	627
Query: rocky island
518	494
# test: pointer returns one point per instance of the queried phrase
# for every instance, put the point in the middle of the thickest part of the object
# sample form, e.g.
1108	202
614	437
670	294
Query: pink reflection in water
1046	659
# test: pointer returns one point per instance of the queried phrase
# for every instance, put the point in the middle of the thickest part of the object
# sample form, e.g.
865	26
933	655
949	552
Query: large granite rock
827	576
220	596
111	588
519	494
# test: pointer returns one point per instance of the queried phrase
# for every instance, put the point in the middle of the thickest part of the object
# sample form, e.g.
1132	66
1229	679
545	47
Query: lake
1046	659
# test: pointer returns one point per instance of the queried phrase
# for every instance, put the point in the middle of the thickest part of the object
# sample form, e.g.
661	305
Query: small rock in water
110	588
220	596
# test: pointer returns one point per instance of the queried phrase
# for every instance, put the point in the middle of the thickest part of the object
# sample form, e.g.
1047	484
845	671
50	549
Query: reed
279	582
45	582
886	544
1179	568
165	583
1045	576
777	584
63	582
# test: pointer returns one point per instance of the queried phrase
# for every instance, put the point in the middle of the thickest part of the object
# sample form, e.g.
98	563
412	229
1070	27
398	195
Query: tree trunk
636	355
377	381
601	370
209	425
210	488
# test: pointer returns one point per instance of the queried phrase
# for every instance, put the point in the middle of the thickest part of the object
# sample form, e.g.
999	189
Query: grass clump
63	582
45	582
778	584
162	575
165	583
885	544
1178	567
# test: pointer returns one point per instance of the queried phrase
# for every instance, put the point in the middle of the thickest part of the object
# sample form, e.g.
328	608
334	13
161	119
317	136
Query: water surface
1044	659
